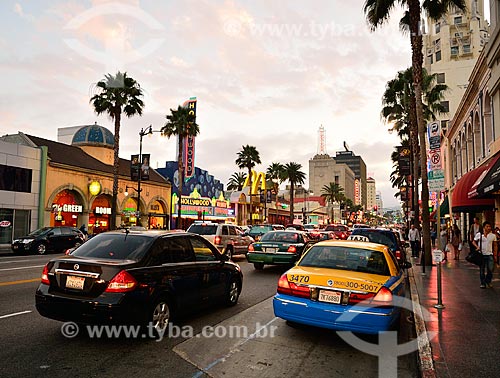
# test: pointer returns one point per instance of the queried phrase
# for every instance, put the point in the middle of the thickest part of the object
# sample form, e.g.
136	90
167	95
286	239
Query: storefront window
99	215
65	210
129	213
6	224
157	216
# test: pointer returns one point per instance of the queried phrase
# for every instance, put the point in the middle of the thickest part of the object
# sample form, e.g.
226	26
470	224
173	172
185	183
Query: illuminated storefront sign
102	210
194	205
66	208
188	147
357	196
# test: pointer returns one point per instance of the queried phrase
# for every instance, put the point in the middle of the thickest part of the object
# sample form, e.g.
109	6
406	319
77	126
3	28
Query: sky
267	74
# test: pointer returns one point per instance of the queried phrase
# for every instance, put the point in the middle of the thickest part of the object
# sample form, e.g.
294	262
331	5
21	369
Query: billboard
188	147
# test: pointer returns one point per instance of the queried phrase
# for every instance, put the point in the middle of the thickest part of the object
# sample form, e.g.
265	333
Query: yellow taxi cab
343	285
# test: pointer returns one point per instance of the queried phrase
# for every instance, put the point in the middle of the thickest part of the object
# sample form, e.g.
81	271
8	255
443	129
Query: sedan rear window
260	229
285	237
203	229
344	258
116	247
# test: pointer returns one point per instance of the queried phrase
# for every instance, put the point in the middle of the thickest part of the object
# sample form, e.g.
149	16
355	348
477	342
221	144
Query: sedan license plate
73	282
270	250
330	296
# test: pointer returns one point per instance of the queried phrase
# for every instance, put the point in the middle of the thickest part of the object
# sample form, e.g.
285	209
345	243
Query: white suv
227	238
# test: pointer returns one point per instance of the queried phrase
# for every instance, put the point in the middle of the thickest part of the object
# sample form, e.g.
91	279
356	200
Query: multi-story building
323	170
358	166
379	203
451	48
371	199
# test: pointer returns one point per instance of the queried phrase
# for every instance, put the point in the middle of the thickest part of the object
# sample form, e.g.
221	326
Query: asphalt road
33	346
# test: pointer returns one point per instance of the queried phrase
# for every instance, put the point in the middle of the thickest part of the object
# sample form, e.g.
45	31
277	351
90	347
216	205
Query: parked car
137	277
48	239
341	231
336	279
278	247
228	238
385	237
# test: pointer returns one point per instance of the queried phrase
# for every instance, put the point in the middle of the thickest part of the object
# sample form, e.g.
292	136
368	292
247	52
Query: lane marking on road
7	283
22	267
14	314
13	261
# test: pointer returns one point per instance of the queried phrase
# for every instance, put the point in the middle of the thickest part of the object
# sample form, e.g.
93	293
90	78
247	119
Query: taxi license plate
330	296
73	282
270	250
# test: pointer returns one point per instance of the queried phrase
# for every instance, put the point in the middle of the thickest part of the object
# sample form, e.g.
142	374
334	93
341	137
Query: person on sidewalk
433	236
414	236
456	241
474	228
485	242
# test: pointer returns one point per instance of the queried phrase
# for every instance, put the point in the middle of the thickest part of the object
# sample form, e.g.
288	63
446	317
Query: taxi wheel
258	266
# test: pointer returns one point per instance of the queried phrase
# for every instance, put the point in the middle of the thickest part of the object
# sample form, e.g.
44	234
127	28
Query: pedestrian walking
456	241
433	236
443	239
414	236
485	242
474	228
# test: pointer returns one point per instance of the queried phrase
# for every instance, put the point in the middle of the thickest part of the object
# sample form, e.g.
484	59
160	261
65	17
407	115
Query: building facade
79	182
323	170
22	180
371	194
451	48
358	166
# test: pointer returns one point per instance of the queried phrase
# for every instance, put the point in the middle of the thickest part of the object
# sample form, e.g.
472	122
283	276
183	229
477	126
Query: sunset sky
265	73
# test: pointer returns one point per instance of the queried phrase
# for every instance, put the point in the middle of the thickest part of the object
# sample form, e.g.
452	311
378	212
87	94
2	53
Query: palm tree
398	108
377	13
236	181
292	172
180	123
117	94
275	173
332	193
248	157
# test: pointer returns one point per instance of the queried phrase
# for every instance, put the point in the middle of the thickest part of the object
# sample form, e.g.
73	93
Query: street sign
435	159
436	185
434	135
436	174
437	255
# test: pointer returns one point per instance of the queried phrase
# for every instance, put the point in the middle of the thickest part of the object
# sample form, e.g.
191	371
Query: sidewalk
467	343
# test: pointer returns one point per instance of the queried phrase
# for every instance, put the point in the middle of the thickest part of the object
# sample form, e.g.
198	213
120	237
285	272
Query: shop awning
444	209
463	199
491	181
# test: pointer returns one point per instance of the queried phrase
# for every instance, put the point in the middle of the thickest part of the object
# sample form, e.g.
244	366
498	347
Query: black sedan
134	277
48	239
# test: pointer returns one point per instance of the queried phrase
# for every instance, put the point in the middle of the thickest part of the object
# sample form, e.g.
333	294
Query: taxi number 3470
298	278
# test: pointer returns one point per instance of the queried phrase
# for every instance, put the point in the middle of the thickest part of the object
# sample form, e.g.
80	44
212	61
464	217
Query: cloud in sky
265	73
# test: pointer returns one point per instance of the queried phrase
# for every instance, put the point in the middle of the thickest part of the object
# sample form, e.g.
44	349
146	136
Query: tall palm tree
248	157
117	94
275	173
180	123
332	193
398	108
377	13
292	172
236	181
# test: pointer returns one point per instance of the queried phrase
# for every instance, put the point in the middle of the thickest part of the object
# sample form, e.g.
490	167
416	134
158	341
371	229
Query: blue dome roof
93	135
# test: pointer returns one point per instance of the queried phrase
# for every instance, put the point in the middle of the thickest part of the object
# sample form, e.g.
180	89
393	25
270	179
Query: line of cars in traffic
155	276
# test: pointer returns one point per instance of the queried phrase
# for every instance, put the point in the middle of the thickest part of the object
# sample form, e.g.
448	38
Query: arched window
478	138
489	136
458	156
470	147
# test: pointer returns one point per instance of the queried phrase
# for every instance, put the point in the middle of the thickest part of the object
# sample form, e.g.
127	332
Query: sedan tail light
398	255
45	274
217	240
290	288
121	283
383	297
251	248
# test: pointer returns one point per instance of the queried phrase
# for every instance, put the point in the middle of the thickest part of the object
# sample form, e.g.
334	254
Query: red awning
466	188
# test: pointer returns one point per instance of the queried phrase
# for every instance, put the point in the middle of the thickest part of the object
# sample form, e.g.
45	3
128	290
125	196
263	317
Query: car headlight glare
27	241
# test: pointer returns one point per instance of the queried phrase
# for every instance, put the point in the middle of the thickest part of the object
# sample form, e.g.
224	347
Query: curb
425	361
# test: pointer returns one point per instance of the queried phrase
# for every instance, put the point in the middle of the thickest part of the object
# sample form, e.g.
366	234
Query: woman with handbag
485	242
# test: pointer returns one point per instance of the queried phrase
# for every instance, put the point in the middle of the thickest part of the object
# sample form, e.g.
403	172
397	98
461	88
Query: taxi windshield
345	258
